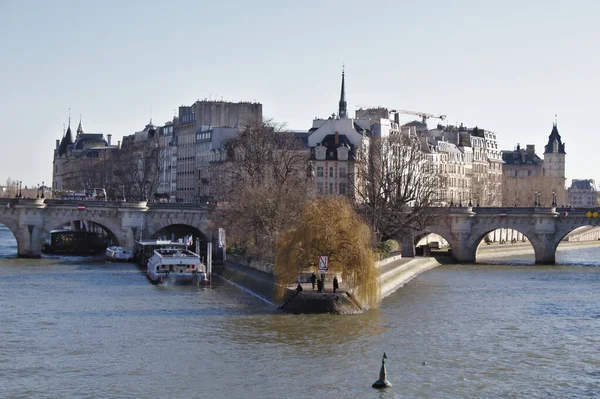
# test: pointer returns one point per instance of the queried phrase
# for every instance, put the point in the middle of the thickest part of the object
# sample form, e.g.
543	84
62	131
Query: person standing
336	285
313	280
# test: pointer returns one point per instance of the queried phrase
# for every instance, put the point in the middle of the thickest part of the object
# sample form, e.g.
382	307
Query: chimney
337	137
119	144
57	144
531	150
109	137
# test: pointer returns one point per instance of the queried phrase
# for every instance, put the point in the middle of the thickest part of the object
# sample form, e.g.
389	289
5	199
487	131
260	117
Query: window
342	188
342	171
320	187
528	173
320	155
331	171
330	188
319	171
516	172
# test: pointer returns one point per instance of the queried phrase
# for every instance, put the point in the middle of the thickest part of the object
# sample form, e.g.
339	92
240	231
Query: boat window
156	267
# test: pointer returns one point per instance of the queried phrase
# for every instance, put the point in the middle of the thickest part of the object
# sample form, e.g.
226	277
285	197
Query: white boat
177	266
118	254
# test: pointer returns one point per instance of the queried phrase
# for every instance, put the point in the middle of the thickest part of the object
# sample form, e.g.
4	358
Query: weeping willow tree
329	227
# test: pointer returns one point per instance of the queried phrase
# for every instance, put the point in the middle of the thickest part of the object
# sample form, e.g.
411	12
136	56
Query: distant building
167	186
527	179
194	129
82	162
554	164
583	193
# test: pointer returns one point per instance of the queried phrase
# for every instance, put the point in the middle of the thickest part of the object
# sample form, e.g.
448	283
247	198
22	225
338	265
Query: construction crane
423	115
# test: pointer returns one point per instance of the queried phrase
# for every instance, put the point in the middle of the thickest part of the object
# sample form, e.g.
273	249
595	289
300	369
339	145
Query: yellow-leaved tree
329	226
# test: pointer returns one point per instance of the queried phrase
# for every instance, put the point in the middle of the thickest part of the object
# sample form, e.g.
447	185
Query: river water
83	328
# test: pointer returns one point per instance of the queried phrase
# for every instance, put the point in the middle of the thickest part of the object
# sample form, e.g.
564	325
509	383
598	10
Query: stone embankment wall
400	273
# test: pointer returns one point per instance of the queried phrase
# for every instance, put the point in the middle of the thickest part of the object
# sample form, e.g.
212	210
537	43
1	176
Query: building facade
83	162
528	180
583	193
194	137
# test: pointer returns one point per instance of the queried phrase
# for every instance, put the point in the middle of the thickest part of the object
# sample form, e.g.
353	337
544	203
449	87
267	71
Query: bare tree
395	187
11	188
137	169
260	186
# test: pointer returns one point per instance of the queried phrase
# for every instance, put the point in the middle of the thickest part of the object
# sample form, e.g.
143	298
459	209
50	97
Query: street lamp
554	198
38	191
536	198
20	189
43	191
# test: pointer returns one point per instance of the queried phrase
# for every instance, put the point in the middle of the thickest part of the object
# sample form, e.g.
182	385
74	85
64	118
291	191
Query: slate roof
554	136
329	143
89	137
520	157
586	184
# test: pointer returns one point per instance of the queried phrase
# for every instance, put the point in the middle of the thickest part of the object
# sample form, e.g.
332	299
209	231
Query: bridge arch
478	240
13	228
109	225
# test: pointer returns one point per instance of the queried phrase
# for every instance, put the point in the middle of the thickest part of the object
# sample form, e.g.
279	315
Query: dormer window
342	153
320	153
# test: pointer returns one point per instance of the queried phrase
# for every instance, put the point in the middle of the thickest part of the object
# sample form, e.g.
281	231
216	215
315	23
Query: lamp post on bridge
554	198
537	198
37	196
20	189
43	196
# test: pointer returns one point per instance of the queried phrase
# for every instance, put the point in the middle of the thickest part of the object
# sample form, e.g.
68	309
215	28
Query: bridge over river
30	220
465	227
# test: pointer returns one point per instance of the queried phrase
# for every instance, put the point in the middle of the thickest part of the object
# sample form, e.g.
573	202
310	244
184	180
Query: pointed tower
554	155
66	141
554	165
342	111
79	128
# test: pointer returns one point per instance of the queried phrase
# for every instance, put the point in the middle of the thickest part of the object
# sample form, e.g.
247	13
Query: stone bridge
465	227
30	220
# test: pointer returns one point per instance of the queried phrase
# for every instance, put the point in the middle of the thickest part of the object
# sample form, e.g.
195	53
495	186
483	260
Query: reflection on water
80	327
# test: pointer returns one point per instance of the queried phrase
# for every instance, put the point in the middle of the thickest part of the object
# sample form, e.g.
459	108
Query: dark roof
464	139
65	142
520	157
329	143
586	184
83	137
554	136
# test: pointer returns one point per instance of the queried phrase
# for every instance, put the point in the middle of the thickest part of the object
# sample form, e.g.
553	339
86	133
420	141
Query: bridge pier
462	251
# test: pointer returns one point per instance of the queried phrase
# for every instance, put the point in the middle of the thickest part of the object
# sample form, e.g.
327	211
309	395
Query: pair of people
321	285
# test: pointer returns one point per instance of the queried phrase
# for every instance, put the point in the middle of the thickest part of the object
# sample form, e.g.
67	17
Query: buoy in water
382	382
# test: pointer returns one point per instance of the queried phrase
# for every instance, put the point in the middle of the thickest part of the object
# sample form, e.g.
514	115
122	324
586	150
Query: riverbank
485	252
394	274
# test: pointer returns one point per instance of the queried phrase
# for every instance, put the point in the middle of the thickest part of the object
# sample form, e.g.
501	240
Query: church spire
342	111
554	137
79	128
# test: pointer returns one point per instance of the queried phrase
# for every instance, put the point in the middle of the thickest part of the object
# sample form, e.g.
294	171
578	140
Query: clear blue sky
505	66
